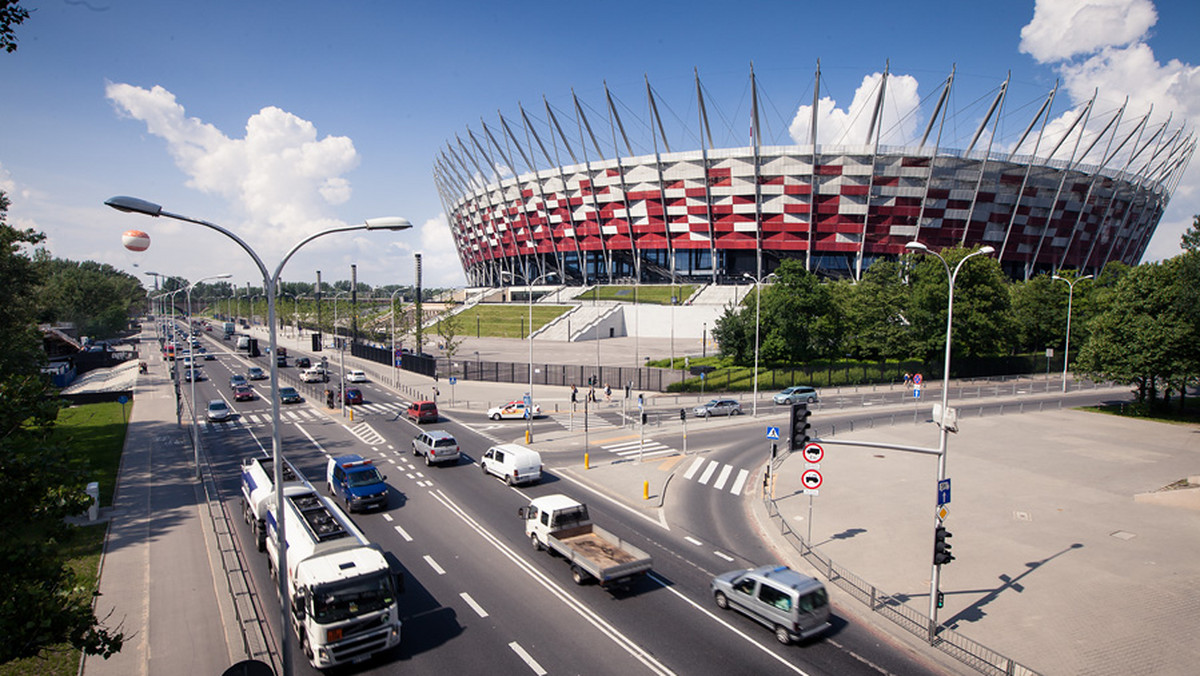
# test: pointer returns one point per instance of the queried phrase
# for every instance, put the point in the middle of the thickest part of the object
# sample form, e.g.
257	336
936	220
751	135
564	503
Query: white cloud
1062	29
440	264
849	126
279	174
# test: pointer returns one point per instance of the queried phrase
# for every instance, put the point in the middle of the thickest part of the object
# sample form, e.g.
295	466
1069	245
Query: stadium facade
1092	194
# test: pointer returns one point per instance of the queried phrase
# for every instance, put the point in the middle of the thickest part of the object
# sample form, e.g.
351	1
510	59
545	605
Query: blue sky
276	119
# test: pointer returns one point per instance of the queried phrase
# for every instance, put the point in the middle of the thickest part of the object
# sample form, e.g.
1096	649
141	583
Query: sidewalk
161	580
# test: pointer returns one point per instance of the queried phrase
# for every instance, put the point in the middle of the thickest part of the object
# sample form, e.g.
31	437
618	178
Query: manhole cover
1123	535
1022	516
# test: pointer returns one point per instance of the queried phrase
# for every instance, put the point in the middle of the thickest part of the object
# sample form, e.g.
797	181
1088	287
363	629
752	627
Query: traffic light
800	427
316	342
941	548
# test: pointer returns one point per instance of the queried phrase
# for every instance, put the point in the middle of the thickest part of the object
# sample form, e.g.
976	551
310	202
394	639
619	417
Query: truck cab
357	482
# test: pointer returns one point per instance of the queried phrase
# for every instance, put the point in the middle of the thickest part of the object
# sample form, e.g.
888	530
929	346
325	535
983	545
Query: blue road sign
916	393
453	380
772	432
943	492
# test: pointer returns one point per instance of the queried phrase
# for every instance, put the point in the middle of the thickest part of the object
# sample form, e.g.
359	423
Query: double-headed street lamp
942	424
757	303
1070	296
192	368
392	302
270	282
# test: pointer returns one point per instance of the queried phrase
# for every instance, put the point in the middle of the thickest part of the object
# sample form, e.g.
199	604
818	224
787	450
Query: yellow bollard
645	490
585	462
528	436
351	415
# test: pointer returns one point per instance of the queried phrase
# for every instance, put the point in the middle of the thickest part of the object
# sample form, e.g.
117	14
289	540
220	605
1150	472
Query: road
472	576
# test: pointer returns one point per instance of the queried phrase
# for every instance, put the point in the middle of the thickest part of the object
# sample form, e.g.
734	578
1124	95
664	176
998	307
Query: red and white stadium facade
714	214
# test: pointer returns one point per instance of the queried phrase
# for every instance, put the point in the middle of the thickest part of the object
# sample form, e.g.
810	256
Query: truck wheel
508	480
722	602
484	468
781	635
537	546
578	575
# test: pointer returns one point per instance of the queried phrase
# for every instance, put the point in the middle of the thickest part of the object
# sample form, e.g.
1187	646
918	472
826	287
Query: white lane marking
691	471
723	555
728	626
253	418
692	540
532	663
387	517
314	441
410	476
474	606
635	650
739	482
404	534
433	564
723	477
708	472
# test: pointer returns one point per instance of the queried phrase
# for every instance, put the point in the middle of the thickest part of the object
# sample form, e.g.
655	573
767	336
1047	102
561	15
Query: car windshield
217	408
336	602
287	391
712	404
443	443
366	477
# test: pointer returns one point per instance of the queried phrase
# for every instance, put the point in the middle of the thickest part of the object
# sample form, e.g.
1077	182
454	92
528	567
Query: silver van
438	446
796	606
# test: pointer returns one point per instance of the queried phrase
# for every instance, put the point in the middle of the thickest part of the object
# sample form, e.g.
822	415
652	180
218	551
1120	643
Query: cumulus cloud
439	257
279	173
850	125
1061	29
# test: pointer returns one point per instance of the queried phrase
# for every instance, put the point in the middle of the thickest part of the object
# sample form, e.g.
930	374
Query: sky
276	120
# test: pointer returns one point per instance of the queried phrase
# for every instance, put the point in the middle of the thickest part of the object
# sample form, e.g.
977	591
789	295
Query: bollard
586	464
93	492
528	436
645	490
351	414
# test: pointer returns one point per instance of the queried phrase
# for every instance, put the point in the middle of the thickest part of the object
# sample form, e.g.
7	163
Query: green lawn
96	434
645	293
502	321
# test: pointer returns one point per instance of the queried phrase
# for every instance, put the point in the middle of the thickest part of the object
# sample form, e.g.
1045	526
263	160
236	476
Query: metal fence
971	653
644	379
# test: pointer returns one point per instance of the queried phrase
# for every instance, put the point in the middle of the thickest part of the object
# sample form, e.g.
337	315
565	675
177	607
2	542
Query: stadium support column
812	181
1087	197
876	130
614	122
1137	131
712	234
996	102
581	121
562	177
417	311
662	191
1044	114
937	144
755	132
1083	117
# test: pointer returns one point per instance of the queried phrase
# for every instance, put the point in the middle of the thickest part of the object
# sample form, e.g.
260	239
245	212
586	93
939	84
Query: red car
354	396
243	393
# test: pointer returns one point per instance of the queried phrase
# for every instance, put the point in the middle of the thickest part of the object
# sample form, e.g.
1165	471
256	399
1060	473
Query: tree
11	16
1040	313
876	325
41	604
1191	238
97	298
983	325
449	329
800	320
730	330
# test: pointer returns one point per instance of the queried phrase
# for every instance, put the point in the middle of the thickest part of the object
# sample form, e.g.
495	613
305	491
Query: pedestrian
908	380
607	392
592	394
574	393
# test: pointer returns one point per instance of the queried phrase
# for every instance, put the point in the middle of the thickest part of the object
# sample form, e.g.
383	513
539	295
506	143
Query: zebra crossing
703	470
575	421
297	415
647	448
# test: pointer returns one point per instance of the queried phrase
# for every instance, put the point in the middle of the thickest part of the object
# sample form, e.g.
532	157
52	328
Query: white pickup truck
314	374
561	524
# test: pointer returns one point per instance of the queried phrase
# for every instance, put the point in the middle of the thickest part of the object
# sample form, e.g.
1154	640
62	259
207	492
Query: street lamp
757	303
1070	297
944	433
341	353
529	334
392	302
270	280
192	369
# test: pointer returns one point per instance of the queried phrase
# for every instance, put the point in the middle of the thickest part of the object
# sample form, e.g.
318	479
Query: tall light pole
270	280
192	370
175	352
943	433
757	305
341	353
1070	297
392	301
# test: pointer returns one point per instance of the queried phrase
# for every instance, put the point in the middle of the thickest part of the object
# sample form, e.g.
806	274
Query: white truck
258	491
341	590
561	524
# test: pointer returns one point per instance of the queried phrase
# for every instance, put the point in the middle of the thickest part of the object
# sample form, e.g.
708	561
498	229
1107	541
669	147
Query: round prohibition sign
814	453
811	479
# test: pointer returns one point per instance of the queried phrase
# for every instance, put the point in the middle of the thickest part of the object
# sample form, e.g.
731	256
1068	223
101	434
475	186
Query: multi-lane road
479	599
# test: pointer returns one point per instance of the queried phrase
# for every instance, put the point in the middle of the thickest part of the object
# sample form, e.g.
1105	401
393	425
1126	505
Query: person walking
607	392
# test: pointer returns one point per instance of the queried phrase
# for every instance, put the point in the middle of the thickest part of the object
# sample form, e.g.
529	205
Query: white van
243	343
514	463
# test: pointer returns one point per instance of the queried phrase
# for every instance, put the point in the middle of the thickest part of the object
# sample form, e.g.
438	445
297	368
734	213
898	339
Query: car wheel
495	416
537	546
428	462
722	601
578	576
415	450
781	635
508	480
811	399
484	468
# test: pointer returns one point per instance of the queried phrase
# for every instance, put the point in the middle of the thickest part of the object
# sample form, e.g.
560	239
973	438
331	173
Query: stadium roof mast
1044	114
936	146
662	191
875	130
532	162
1113	123
756	137
712	235
1144	178
532	171
523	218
812	176
581	121
1083	116
553	121
1137	131
614	123
487	197
997	102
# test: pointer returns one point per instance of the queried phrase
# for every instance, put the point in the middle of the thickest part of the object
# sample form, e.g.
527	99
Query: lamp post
1070	297
392	302
757	306
192	370
270	280
175	352
529	334
341	352
943	436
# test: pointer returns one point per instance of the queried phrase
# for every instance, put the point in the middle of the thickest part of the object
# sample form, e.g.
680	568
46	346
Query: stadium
566	194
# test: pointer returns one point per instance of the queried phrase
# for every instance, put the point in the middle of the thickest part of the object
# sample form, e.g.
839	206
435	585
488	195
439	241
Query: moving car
353	396
513	409
796	606
514	463
797	394
356	376
437	446
289	395
193	374
244	393
218	410
303	362
236	380
422	411
314	374
357	482
256	373
718	407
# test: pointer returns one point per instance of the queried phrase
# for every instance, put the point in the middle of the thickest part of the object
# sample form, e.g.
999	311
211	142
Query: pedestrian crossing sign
773	433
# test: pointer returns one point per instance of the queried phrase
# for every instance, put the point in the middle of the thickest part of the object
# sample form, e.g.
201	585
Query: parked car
422	411
289	395
438	446
796	606
356	376
513	409
236	380
353	396
218	410
303	362
797	394
256	373
244	393
718	407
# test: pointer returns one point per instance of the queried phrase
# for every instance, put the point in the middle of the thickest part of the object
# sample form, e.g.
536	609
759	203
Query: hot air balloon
135	240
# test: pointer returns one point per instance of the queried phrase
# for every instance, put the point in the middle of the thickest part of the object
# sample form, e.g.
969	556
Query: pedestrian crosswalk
298	415
574	421
646	448
703	470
